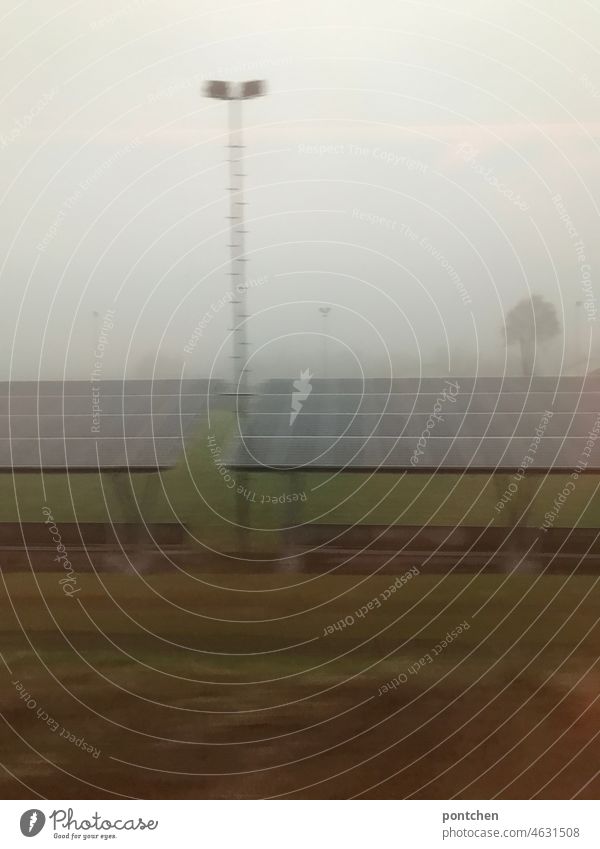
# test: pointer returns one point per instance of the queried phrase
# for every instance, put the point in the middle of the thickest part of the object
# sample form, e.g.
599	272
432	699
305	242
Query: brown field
225	685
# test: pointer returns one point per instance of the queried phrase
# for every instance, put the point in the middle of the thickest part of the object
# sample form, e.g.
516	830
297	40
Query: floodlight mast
235	93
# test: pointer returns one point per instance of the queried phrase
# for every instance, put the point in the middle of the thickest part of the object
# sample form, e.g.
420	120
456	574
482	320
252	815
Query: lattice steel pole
235	93
237	233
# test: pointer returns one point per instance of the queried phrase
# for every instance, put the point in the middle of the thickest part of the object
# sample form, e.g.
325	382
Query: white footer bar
300	824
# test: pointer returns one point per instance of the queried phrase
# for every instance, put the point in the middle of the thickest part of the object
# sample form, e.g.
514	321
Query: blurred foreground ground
228	685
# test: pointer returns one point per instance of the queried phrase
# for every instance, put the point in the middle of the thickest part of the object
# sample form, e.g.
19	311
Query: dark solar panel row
488	427
410	403
140	425
449	424
139	454
425	385
67	388
314	404
374	453
110	404
84	425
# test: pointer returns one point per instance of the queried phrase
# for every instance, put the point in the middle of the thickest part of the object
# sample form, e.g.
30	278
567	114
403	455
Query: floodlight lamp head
224	90
219	89
253	88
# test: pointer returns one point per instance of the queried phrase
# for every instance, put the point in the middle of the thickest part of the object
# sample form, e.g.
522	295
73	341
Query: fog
418	167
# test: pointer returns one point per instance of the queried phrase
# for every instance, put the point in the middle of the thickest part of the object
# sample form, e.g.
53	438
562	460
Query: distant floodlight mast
325	312
235	93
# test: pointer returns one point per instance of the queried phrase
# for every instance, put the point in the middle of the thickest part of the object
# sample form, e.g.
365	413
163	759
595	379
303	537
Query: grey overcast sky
419	166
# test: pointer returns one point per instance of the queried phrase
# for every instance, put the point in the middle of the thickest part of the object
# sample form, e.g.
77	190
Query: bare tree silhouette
530	322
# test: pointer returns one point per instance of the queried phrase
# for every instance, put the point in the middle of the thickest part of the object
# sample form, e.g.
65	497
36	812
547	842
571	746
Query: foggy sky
419	167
